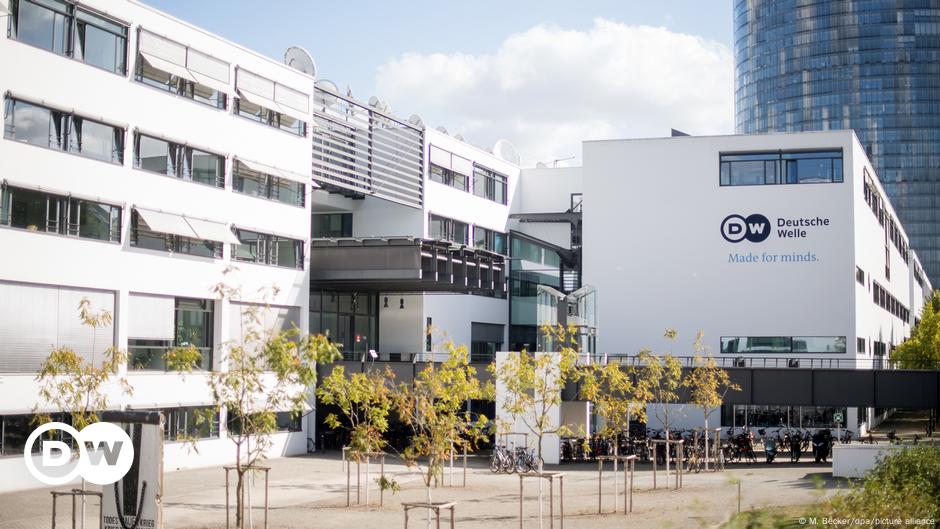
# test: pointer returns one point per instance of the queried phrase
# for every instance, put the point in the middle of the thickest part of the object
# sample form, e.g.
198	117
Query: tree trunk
427	497
707	454
667	458
239	498
541	469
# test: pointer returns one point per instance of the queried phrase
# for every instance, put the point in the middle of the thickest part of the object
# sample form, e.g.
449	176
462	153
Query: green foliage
533	384
433	408
183	359
707	383
906	484
389	484
266	372
364	399
70	383
922	349
663	373
618	394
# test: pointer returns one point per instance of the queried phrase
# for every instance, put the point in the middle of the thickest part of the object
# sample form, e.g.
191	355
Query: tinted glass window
43	23
207	168
96	140
100	42
153	154
35	124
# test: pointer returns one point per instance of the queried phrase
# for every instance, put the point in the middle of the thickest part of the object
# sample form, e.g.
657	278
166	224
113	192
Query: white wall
452	316
652	241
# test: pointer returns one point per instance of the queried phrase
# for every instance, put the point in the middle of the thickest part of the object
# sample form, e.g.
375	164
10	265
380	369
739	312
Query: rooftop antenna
507	151
328	91
416	121
300	59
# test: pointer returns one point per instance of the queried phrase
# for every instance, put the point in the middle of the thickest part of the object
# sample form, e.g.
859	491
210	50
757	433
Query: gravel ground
310	491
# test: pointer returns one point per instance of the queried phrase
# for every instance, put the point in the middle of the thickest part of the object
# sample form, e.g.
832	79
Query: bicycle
501	460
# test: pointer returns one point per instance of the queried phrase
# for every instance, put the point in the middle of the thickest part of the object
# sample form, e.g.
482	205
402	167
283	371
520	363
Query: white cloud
548	88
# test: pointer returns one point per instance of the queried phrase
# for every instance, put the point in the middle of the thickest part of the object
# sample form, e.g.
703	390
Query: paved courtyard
310	491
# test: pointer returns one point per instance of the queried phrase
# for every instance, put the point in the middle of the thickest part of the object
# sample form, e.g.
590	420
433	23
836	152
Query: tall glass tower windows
874	67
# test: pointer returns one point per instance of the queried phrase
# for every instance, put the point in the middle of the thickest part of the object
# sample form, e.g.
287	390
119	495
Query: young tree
434	408
364	401
531	386
664	376
707	384
922	349
619	396
74	385
265	371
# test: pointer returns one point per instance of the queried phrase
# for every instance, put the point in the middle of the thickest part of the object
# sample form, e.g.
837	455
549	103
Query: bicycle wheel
494	464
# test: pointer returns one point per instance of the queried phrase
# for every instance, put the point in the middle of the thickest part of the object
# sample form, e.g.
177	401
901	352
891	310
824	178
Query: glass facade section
348	319
868	65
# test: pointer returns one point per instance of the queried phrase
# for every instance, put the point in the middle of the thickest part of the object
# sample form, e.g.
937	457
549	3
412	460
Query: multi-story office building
141	157
865	65
778	247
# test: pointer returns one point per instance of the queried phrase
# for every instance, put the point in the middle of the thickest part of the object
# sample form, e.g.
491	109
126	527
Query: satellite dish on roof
300	59
329	91
541	165
507	151
416	121
441	129
374	102
458	137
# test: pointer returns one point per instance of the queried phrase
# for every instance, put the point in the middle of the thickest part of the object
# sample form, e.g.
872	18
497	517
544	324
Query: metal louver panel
358	150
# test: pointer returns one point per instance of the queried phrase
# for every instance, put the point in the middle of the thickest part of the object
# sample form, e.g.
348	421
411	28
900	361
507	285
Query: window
486	339
489	240
885	300
449	177
445	229
179	161
195	319
181	70
349	319
878	348
266	116
768	168
263	185
489	184
527	250
46	127
142	236
860	276
332	225
783	344
63	28
38	211
268	249
182	424
288	421
860	345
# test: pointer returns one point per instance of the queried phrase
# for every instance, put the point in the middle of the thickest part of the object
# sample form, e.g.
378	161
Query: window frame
62	225
180	155
70	31
781	161
272	118
268	252
270	185
492	180
173	244
66	123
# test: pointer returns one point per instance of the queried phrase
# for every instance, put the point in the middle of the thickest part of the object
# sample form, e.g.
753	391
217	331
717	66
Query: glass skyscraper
868	65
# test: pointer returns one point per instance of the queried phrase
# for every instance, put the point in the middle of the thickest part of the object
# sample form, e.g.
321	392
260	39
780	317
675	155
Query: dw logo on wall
754	228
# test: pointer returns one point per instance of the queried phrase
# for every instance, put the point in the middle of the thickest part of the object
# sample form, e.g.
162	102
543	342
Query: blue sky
389	48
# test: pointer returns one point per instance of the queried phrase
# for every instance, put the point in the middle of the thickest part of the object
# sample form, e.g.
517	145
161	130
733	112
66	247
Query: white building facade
780	248
141	158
